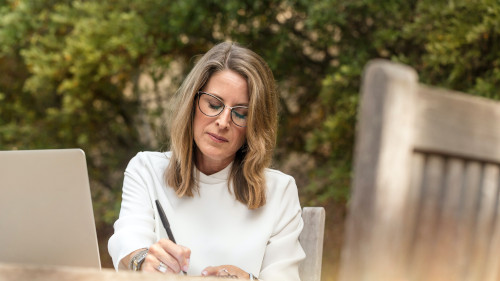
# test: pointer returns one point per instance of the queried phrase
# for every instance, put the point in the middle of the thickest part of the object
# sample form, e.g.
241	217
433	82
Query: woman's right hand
175	258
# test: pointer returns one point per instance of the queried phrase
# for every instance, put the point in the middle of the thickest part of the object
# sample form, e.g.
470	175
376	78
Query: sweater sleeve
134	228
283	252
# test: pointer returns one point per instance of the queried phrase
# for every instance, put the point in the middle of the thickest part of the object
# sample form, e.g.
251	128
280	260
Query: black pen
165	223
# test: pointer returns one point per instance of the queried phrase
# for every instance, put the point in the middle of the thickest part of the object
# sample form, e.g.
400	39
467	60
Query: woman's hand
225	271
166	256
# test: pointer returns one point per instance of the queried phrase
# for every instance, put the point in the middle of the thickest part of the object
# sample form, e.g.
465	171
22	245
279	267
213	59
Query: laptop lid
46	215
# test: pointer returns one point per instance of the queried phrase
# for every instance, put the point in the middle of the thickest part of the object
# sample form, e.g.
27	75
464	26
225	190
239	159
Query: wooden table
15	272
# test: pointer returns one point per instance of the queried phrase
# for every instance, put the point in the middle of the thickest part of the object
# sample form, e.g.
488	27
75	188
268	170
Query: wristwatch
137	260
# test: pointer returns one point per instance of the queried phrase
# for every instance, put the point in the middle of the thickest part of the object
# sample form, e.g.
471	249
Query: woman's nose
224	118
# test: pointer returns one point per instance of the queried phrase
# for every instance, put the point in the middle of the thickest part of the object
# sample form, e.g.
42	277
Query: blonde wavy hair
247	174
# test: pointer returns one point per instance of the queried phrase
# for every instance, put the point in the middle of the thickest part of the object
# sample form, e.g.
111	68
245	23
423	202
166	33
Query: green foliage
460	50
70	71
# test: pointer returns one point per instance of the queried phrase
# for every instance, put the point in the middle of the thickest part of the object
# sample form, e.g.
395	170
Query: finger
225	271
152	264
180	253
161	254
211	270
187	258
147	267
162	268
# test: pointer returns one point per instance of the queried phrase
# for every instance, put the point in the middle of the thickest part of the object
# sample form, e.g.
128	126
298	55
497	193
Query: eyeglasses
212	106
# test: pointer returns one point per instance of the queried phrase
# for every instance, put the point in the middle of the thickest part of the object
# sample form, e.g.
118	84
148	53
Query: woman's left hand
230	271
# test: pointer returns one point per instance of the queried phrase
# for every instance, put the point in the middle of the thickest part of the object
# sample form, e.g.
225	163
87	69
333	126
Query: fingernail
204	273
186	266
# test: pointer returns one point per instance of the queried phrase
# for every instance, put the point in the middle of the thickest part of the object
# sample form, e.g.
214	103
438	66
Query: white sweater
213	224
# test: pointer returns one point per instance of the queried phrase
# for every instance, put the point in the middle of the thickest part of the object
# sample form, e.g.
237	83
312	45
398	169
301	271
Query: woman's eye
240	115
215	106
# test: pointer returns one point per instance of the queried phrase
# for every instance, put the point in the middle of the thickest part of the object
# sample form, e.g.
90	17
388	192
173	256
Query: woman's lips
217	138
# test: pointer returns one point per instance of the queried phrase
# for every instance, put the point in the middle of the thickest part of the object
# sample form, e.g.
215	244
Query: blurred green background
100	75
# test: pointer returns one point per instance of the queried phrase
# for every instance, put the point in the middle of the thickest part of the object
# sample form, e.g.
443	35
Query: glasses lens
239	116
209	105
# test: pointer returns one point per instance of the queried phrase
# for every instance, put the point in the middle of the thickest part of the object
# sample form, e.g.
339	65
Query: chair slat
448	223
492	272
484	221
429	206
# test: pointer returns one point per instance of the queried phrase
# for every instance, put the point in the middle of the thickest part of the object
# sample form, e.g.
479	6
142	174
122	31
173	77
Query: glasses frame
198	95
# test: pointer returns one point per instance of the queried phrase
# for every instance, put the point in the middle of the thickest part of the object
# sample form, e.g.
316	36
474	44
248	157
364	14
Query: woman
229	213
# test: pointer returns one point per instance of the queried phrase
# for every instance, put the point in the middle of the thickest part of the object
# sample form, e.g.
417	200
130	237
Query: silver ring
223	272
162	268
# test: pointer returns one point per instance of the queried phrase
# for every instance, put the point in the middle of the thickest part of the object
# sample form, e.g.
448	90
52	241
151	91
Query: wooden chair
425	201
311	240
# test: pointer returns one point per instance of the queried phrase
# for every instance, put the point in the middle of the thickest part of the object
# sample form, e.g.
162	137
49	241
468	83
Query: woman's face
218	138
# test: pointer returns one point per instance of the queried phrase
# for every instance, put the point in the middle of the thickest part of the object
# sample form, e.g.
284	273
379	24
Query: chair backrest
311	240
425	197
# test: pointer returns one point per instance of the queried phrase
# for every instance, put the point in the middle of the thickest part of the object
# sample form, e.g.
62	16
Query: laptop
46	215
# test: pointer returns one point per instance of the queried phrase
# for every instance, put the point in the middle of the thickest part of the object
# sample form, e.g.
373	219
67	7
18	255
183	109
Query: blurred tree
71	72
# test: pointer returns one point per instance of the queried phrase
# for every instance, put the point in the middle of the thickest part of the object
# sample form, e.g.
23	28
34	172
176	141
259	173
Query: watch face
138	259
